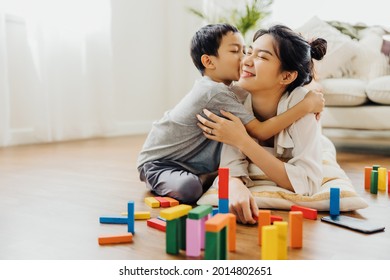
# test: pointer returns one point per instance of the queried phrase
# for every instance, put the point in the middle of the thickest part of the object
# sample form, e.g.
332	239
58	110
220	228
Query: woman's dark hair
207	41
295	53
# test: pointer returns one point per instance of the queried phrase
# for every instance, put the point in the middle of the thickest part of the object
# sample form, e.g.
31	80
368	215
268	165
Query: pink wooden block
203	230
193	237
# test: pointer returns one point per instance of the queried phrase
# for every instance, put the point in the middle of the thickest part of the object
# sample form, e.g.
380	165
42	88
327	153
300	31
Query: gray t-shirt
177	137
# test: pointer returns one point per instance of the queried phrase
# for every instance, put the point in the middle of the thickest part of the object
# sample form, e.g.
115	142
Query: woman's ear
207	61
288	77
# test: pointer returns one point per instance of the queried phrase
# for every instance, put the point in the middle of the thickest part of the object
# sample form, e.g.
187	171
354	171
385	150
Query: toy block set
376	178
213	230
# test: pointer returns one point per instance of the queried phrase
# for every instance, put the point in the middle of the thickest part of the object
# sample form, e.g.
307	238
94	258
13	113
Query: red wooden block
163	201
276	218
157	224
223	182
308	213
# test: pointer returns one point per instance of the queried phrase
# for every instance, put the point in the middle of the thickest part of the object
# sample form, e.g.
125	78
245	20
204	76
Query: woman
275	68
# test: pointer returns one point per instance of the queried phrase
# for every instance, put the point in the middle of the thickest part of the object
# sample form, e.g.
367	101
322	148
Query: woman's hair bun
318	48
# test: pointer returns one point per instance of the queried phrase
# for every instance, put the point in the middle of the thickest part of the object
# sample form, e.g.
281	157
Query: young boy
176	159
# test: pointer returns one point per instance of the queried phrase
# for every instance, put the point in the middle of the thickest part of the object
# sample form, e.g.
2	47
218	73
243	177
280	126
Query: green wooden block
200	212
223	244
375	166
374	182
212	251
182	232
172	236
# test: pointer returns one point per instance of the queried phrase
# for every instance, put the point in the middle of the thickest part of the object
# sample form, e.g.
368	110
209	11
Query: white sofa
355	78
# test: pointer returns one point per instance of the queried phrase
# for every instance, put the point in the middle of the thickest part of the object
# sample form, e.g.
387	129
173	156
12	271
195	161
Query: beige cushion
344	92
341	48
268	195
378	90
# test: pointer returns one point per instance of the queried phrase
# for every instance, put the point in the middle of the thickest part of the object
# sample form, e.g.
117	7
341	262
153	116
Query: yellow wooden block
382	172
152	202
175	212
141	215
269	243
282	227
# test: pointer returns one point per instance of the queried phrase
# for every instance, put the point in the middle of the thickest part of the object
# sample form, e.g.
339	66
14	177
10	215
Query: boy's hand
315	100
241	202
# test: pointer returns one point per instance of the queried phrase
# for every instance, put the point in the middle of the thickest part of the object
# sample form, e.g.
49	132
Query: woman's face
261	68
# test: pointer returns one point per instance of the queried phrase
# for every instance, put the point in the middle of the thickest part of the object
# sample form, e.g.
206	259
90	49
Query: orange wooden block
216	223
231	232
296	229
172	201
367	177
115	239
264	219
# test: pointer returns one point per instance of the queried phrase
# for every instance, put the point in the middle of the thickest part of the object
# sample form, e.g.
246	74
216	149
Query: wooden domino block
141	215
275	218
334	207
374	182
175	212
113	220
308	213
282	239
216	223
193	237
263	219
152	202
367	177
163	202
223	205
199	212
115	239
223	182
388	181
269	250
172	201
157	224
296	229
382	172
130	217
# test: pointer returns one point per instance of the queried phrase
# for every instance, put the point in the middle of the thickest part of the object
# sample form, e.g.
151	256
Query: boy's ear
288	77
207	61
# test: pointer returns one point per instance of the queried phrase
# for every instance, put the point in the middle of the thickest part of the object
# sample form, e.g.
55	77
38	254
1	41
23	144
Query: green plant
244	19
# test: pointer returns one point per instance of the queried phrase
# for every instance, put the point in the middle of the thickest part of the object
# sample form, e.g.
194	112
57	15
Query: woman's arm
313	102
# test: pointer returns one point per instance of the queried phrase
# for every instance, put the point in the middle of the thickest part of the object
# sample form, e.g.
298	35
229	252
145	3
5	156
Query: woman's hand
230	131
241	202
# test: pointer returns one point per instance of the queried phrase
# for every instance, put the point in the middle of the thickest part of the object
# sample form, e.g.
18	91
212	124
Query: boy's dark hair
295	53
207	41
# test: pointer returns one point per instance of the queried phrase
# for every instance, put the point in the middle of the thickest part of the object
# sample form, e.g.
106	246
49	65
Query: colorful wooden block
374	182
216	223
367	177
269	248
113	220
382	172
375	167
223	205
334	206
308	213
130	217
199	212
388	181
157	224
172	236
152	202
263	219
275	218
296	229
115	239
212	250
175	212
172	201
282	228
232	232
215	211
223	182
141	215
163	202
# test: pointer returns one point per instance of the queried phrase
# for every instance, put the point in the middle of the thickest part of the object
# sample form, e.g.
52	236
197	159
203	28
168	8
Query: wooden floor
52	195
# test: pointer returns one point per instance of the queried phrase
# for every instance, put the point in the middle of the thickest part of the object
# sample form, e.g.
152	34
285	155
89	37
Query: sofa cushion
341	48
378	90
344	92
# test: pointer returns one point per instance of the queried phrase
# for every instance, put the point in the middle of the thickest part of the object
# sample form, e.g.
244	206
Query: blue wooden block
215	211
223	205
113	220
334	207
130	217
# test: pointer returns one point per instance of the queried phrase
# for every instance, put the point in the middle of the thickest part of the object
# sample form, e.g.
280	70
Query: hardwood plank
52	195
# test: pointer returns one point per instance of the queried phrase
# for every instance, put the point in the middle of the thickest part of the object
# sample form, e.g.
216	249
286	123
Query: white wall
297	12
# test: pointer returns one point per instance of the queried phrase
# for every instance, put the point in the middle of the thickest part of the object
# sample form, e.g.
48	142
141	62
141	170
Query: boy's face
230	54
